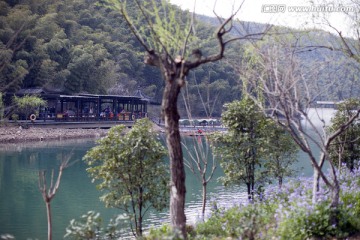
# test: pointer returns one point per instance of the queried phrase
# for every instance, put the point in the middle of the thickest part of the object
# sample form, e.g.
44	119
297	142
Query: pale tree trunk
48	211
316	179
173	142
198	163
49	193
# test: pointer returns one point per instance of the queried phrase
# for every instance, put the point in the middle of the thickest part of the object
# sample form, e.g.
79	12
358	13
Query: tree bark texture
173	142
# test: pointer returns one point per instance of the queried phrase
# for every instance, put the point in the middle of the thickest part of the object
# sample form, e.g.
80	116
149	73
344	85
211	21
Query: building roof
139	93
25	91
38	90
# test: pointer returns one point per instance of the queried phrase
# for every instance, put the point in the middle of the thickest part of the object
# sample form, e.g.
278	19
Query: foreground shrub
288	213
306	223
166	232
90	226
253	221
351	210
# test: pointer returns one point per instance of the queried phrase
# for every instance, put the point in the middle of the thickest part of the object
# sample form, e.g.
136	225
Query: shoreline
13	134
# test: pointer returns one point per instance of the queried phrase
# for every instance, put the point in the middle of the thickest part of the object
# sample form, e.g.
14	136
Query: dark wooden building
88	107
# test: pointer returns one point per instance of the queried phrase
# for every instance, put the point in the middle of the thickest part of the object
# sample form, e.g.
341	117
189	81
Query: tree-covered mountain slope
82	47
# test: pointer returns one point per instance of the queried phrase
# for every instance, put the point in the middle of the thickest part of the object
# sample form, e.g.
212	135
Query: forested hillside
80	46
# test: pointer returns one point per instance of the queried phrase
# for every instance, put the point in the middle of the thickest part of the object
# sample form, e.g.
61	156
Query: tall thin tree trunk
48	211
173	142
335	197
204	199
139	227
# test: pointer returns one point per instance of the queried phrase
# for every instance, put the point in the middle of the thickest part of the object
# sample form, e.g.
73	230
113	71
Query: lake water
22	209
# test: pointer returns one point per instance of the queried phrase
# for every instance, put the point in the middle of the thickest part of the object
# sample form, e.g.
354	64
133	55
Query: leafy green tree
28	104
280	153
255	149
241	149
132	171
13	35
345	149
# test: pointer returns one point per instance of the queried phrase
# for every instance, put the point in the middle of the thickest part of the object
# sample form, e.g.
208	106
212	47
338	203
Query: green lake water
22	209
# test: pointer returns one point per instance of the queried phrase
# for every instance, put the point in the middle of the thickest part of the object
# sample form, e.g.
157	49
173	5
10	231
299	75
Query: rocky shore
11	134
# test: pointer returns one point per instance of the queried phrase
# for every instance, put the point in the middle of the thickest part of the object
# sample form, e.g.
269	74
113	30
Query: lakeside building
86	107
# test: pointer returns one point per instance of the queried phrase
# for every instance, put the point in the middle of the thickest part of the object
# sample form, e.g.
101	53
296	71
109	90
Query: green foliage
68	46
247	222
90	227
163	26
131	169
82	46
316	223
15	117
28	104
163	232
351	210
287	213
281	153
260	221
240	150
345	148
254	149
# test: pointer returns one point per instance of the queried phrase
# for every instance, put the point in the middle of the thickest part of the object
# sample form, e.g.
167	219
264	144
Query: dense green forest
79	46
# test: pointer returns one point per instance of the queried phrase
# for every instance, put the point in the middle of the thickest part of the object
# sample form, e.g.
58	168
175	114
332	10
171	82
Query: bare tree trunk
204	199
48	211
334	206
316	185
198	164
49	193
173	142
139	227
335	195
